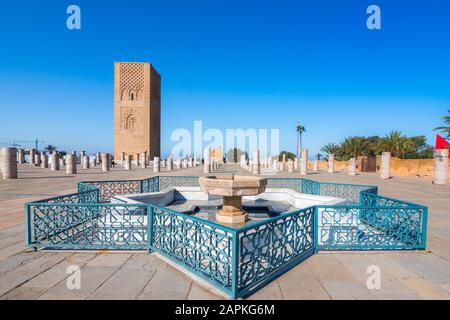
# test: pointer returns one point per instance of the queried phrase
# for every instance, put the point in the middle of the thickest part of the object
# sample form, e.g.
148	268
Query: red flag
441	143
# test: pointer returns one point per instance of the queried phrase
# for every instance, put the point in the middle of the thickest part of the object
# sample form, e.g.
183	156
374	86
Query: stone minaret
137	110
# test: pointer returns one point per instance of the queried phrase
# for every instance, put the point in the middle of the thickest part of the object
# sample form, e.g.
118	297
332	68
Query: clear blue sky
231	64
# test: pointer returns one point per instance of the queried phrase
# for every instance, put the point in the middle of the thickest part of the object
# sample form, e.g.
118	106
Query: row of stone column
10	157
270	162
209	164
170	164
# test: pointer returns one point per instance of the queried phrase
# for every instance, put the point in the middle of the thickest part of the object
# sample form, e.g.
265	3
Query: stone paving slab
331	275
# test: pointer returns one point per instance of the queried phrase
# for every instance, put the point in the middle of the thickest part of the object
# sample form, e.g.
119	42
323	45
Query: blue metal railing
237	261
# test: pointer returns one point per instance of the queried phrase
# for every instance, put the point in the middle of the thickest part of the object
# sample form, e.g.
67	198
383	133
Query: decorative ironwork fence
237	261
270	248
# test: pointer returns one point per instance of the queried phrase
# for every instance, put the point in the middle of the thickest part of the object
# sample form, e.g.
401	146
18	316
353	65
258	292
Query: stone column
9	163
105	161
242	160
296	164
352	167
127	163
206	160
82	154
195	161
331	163
190	162
385	168
37	159
290	165
20	156
97	158
92	162
32	154
85	162
156	164
44	160
255	162
441	167
169	164
284	161
304	162
71	164
143	160
61	163
54	161
315	165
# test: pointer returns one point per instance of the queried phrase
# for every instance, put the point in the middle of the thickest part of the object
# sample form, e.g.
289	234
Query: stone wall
413	167
399	167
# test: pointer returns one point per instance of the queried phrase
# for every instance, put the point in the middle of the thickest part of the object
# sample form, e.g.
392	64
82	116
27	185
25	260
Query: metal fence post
316	229
149	228
235	267
424	228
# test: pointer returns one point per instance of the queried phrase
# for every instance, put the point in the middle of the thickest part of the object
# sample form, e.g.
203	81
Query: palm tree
352	147
445	129
331	148
395	142
300	129
50	148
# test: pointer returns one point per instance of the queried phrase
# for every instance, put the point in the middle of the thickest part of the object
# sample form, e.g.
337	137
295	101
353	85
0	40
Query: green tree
300	130
331	148
234	155
396	142
289	155
50	148
352	147
446	128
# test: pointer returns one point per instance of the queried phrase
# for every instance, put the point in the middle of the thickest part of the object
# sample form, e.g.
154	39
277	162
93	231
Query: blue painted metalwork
107	189
150	185
270	246
285	183
369	228
204	247
87	226
350	192
310	186
177	181
237	261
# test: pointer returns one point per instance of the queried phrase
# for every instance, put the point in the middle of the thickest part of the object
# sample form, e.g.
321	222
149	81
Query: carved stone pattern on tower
128	120
131	81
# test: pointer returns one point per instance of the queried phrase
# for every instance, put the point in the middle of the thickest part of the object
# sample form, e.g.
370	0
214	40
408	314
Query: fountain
232	188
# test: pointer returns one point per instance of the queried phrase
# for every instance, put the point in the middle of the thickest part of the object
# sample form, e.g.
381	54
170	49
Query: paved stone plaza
131	275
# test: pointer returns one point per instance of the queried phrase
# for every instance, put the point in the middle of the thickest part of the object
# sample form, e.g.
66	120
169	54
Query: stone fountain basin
271	196
232	186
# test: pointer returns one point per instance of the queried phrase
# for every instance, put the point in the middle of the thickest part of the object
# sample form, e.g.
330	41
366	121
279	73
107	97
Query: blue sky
231	64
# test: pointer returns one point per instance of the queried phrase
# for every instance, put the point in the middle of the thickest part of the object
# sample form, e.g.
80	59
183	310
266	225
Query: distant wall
413	167
399	167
